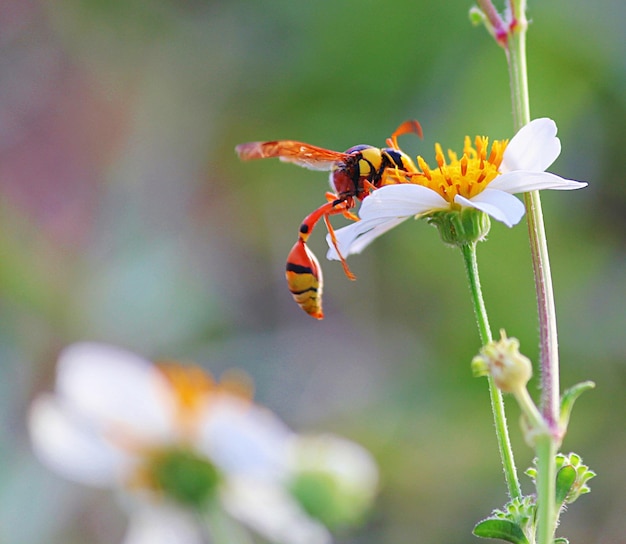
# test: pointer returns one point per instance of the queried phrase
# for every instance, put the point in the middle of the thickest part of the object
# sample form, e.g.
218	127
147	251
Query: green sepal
565	479
502	529
568	399
460	227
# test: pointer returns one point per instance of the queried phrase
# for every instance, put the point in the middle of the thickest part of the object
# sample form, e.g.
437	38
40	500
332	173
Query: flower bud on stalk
511	371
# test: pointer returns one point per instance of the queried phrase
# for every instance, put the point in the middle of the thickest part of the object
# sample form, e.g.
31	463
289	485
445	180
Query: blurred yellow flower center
466	176
190	384
194	388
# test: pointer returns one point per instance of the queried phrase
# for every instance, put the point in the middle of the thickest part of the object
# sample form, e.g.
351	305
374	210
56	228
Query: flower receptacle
460	227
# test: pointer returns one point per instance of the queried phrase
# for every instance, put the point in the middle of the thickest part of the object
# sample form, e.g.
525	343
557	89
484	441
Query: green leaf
565	479
561	541
568	399
502	529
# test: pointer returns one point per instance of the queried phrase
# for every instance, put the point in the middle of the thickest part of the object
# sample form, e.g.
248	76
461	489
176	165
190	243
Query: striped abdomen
304	279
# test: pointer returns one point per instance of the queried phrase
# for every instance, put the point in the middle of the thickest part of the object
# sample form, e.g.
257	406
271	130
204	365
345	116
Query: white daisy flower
173	442
480	179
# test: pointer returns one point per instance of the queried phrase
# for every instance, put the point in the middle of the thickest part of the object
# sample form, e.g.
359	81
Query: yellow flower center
466	176
193	388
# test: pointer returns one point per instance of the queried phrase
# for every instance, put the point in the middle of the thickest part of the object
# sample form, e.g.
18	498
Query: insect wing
305	155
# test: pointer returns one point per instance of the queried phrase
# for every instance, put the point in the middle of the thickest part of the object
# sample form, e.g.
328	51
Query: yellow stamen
467	176
424	168
441	160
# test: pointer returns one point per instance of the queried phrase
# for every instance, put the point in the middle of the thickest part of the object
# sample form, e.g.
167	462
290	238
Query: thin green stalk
516	56
518	78
546	450
549	355
495	395
546	447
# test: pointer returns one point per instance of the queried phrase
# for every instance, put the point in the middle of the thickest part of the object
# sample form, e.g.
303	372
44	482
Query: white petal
242	438
403	200
535	147
381	211
162	525
501	206
116	388
76	451
356	237
523	181
272	512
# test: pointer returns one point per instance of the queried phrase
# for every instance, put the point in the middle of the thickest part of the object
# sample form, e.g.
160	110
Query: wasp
354	174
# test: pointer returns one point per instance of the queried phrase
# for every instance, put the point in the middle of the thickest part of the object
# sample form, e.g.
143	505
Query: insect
354	174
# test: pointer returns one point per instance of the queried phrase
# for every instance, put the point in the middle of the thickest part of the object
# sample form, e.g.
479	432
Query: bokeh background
125	217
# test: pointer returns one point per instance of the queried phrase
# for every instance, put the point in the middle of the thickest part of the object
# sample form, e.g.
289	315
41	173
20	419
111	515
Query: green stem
518	78
546	450
516	56
547	446
495	395
549	355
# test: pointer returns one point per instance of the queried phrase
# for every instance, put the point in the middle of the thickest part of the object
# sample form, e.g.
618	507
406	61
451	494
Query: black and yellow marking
305	285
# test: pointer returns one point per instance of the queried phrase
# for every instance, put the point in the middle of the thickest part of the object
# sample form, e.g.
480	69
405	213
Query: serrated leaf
565	479
502	529
568	399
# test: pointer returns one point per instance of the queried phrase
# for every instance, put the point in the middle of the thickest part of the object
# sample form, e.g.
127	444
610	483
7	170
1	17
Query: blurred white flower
480	179
173	442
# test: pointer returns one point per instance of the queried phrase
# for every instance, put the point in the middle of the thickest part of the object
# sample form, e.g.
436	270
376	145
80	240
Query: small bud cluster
520	511
502	360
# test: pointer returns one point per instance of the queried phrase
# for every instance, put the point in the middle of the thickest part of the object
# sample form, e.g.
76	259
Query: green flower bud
460	227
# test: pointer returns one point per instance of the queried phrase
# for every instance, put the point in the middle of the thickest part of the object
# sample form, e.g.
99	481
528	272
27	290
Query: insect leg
333	239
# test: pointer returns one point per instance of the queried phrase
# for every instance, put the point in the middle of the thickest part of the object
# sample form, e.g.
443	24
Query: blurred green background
127	218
